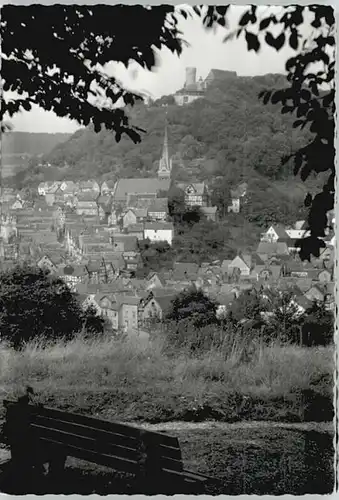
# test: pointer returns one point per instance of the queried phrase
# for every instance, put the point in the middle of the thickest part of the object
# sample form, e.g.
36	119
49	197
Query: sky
206	51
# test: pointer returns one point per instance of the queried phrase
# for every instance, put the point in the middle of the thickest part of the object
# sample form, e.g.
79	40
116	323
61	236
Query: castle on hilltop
194	89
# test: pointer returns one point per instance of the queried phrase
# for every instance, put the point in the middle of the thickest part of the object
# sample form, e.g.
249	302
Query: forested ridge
227	133
224	138
28	143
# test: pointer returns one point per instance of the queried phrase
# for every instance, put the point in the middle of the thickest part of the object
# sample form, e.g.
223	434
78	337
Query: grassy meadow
137	381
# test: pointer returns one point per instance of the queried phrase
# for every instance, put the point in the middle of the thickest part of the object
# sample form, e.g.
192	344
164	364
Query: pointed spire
165	164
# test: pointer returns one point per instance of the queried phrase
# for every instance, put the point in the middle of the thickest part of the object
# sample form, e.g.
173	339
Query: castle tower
191	76
165	163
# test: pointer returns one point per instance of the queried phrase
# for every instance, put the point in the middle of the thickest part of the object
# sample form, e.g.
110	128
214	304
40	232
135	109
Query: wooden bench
39	435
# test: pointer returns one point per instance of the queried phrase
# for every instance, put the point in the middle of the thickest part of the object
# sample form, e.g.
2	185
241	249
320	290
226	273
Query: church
148	186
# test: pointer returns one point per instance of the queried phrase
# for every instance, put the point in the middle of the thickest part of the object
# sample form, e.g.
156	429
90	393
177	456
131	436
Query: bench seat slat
95	433
75	428
105	425
116	463
85	442
102	447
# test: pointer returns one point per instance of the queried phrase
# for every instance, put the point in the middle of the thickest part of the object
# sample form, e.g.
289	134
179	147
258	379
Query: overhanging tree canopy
54	57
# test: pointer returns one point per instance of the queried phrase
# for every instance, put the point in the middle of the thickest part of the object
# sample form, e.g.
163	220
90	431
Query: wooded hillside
223	138
14	143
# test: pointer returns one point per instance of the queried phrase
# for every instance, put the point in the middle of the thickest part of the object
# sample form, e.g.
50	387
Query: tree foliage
93	324
318	325
194	306
309	96
34	304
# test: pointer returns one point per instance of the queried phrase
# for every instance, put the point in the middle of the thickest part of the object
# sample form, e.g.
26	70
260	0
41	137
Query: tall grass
135	379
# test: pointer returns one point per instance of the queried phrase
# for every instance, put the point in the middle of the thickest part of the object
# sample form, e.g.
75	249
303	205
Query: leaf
245	19
287	109
305	94
276	43
265	23
298	123
267	97
308	200
252	41
26	105
294	39
328	99
277	96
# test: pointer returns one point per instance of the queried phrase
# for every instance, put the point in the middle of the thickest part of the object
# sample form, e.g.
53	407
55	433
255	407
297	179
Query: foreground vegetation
137	381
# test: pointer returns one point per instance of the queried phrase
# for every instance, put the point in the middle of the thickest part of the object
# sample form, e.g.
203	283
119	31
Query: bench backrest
112	444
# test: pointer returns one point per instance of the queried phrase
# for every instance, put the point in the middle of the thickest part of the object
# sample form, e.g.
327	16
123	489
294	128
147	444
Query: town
90	236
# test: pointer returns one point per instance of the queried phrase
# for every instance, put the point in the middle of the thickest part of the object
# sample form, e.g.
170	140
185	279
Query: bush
34	304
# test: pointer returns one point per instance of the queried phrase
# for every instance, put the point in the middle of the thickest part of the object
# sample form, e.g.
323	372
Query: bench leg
56	465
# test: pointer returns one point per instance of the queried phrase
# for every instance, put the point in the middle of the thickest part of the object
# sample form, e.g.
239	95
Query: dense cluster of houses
88	235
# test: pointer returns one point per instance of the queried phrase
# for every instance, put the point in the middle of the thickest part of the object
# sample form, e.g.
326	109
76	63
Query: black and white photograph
167	248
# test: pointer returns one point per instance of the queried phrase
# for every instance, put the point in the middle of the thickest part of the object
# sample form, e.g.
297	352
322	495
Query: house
133	216
219	75
86	203
296	269
296	234
107	187
104	203
156	307
210	213
274	233
265	250
140	200
97	271
326	254
155	280
158	211
17	204
136	230
68	187
72	275
243	263
124	243
196	193
300	225
51	193
151	186
303	284
112	218
90	186
315	293
236	195
159	231
132	260
108	307
266	272
325	275
129	313
42	188
192	89
47	263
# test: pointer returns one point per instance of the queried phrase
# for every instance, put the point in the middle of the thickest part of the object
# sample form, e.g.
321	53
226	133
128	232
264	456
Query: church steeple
165	163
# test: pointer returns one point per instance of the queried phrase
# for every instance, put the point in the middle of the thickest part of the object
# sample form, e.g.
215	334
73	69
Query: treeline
196	323
31	143
224	134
